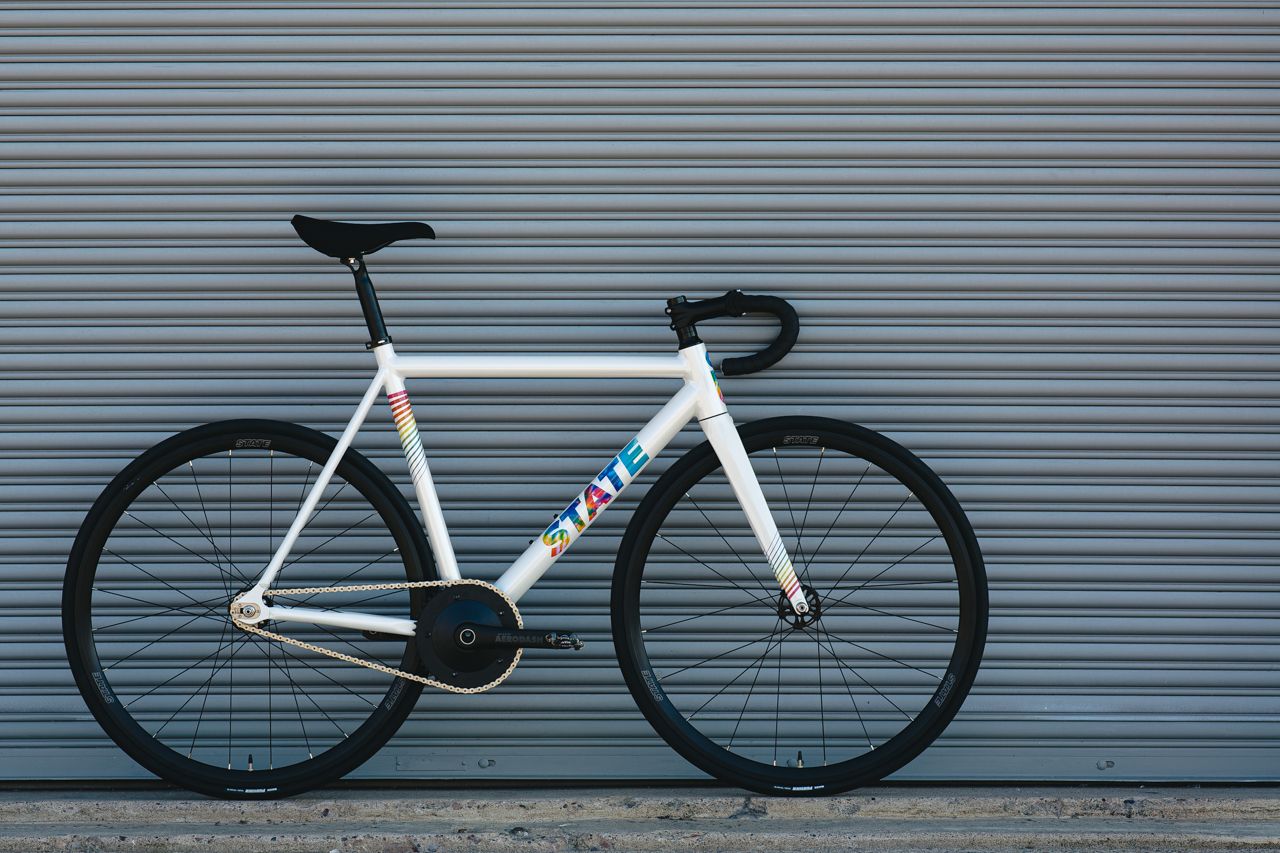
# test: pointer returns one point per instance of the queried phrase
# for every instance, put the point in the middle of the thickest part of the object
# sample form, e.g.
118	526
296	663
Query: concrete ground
688	820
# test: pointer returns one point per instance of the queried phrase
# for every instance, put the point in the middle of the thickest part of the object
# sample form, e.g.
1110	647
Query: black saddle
355	239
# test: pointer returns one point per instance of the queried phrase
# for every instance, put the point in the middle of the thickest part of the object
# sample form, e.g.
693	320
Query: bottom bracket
438	644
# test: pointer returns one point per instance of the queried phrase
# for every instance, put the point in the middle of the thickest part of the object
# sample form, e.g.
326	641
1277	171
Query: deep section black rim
185	692
747	688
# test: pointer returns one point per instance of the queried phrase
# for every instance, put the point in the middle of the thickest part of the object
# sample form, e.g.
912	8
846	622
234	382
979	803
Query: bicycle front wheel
801	704
174	538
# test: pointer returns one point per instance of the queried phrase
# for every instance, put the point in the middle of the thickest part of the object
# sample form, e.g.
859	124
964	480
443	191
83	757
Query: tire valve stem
251	761
799	759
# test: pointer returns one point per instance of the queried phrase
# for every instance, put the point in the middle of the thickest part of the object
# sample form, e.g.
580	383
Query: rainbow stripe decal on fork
786	575
408	429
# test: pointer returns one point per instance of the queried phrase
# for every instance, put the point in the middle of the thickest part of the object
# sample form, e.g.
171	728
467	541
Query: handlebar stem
682	322
684	314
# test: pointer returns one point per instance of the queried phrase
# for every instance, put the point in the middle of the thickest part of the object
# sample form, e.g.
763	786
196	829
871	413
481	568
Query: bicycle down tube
699	397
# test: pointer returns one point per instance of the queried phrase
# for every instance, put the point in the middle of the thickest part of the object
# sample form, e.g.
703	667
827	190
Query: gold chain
373	587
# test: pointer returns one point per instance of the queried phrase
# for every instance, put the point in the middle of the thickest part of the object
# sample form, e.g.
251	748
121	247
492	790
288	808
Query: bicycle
251	608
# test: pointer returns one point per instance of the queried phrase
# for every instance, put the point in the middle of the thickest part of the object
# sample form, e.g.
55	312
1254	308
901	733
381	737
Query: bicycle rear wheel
782	703
172	540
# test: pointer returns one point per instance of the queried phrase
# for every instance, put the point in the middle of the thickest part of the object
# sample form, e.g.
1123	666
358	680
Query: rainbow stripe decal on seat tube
408	429
785	573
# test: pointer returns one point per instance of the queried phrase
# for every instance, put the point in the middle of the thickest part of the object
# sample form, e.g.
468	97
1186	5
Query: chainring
439	621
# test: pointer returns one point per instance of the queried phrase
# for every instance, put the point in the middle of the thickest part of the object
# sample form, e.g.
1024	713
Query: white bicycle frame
699	396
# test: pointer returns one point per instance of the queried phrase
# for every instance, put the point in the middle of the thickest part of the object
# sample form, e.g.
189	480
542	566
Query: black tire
673	669
160	559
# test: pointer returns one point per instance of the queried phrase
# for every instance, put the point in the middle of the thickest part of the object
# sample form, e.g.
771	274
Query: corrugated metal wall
1034	242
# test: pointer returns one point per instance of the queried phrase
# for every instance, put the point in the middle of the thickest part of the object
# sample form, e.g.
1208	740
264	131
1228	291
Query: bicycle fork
718	426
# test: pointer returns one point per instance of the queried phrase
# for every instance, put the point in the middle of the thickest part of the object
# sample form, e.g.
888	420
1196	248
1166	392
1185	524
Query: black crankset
468	635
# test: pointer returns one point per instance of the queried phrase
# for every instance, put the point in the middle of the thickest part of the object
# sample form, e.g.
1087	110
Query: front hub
788	614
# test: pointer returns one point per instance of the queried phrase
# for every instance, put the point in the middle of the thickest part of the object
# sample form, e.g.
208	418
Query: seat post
378	334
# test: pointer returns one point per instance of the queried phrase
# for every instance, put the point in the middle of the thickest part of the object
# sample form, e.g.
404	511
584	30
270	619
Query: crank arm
472	636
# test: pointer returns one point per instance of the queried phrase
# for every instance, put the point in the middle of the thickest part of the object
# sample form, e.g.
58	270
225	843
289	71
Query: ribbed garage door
1034	242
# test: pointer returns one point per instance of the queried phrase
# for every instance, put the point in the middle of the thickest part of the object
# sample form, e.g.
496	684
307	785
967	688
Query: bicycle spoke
289	674
325	675
327	541
695	616
695	585
856	674
102	629
231	529
838	514
194	526
271	504
173	677
346	606
900	616
302	496
179	544
217	668
752	689
206	606
880	573
205	690
348	577
905	584
822	709
231	695
741	673
804	519
361	650
302	725
777	711
163	636
732	550
150	575
271	541
713	571
871	542
315	515
271	739
717	657
205	511
853	699
376	596
881	655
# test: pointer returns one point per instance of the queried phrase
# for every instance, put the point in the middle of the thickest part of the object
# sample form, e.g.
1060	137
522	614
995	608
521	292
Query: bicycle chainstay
374	587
